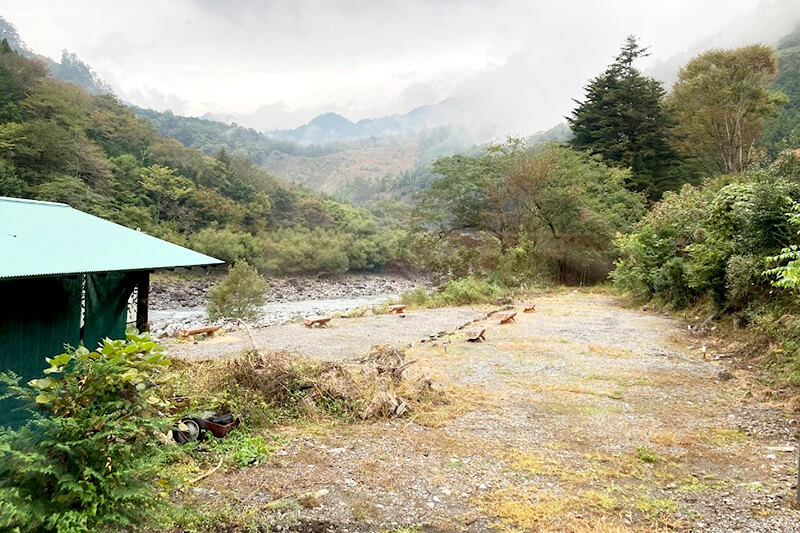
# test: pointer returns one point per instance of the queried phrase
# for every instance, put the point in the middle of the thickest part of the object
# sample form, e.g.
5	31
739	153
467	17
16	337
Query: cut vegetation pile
281	384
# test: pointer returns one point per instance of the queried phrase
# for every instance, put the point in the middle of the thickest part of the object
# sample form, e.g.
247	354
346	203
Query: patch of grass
608	351
460	400
653	508
621	380
646	454
602	500
408	529
523	509
532	463
202	514
358	312
668	438
242	448
362	511
380	309
578	389
456	464
723	436
692	485
615	394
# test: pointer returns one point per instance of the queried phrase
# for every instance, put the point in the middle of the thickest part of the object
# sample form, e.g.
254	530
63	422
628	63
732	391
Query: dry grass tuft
281	385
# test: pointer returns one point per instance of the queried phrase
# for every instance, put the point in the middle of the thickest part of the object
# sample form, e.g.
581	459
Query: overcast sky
276	64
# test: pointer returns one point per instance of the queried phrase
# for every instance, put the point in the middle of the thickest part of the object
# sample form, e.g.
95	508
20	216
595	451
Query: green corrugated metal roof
44	239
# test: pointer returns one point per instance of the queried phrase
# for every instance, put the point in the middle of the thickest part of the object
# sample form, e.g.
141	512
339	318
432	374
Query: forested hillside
783	132
363	171
60	143
69	68
343	168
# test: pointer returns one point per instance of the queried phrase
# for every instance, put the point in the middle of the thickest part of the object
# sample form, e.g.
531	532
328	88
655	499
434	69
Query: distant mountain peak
333	127
330	119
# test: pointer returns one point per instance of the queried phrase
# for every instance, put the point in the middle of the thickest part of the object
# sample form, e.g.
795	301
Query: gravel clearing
344	338
583	416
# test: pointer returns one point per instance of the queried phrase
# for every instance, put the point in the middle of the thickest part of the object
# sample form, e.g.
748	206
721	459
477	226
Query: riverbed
178	304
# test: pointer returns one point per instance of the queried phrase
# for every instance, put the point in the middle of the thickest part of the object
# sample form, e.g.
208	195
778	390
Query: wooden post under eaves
143	301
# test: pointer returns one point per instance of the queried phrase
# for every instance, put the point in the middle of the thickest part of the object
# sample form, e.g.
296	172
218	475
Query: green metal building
66	277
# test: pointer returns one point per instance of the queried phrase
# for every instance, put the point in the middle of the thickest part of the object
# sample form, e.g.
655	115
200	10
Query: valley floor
582	416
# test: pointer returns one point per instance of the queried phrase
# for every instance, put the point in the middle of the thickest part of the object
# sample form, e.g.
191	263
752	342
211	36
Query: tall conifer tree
623	120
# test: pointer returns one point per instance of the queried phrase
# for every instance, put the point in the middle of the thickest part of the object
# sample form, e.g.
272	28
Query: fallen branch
250	335
201	477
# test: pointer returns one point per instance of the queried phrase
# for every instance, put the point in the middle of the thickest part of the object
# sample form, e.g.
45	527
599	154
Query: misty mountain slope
333	173
783	132
328	168
332	167
332	127
362	171
70	68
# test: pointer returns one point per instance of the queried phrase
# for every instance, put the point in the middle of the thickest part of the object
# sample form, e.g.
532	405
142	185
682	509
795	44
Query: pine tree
623	120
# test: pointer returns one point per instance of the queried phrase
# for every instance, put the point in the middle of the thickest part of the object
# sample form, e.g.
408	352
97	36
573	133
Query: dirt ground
344	338
582	416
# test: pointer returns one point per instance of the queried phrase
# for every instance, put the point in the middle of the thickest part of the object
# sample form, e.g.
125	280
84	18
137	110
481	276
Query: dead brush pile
374	387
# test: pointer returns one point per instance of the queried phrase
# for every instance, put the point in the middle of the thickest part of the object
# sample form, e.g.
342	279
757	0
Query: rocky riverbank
178	303
179	293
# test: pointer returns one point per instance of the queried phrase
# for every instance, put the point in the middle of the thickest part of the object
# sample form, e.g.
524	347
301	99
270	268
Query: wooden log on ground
319	321
476	335
189	334
507	317
396	309
530	307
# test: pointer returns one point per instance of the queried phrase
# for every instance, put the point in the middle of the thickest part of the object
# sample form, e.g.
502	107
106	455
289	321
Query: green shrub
709	241
301	251
239	295
465	291
743	279
85	460
418	297
230	246
244	449
469	291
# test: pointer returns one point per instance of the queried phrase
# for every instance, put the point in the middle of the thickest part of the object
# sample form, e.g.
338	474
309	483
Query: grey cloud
514	66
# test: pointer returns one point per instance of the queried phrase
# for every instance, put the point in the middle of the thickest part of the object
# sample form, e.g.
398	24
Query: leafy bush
525	213
240	295
465	291
709	240
230	246
84	462
469	291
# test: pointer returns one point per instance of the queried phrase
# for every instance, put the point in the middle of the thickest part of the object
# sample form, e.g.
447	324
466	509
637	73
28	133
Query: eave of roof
51	239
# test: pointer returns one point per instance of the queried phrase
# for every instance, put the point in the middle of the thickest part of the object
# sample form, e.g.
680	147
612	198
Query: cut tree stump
320	321
530	307
396	309
507	317
188	334
475	335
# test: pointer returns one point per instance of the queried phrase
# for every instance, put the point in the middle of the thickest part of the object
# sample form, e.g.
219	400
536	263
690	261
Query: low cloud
514	66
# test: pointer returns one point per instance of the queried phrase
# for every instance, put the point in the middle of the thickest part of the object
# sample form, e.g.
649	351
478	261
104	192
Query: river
169	320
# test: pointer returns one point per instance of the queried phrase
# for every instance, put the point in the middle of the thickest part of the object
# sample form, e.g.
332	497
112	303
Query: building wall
39	316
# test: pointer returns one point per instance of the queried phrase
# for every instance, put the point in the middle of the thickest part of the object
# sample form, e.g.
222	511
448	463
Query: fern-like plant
84	460
786	274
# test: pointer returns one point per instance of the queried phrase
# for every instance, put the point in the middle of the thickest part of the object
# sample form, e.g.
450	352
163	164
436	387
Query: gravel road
344	338
582	416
